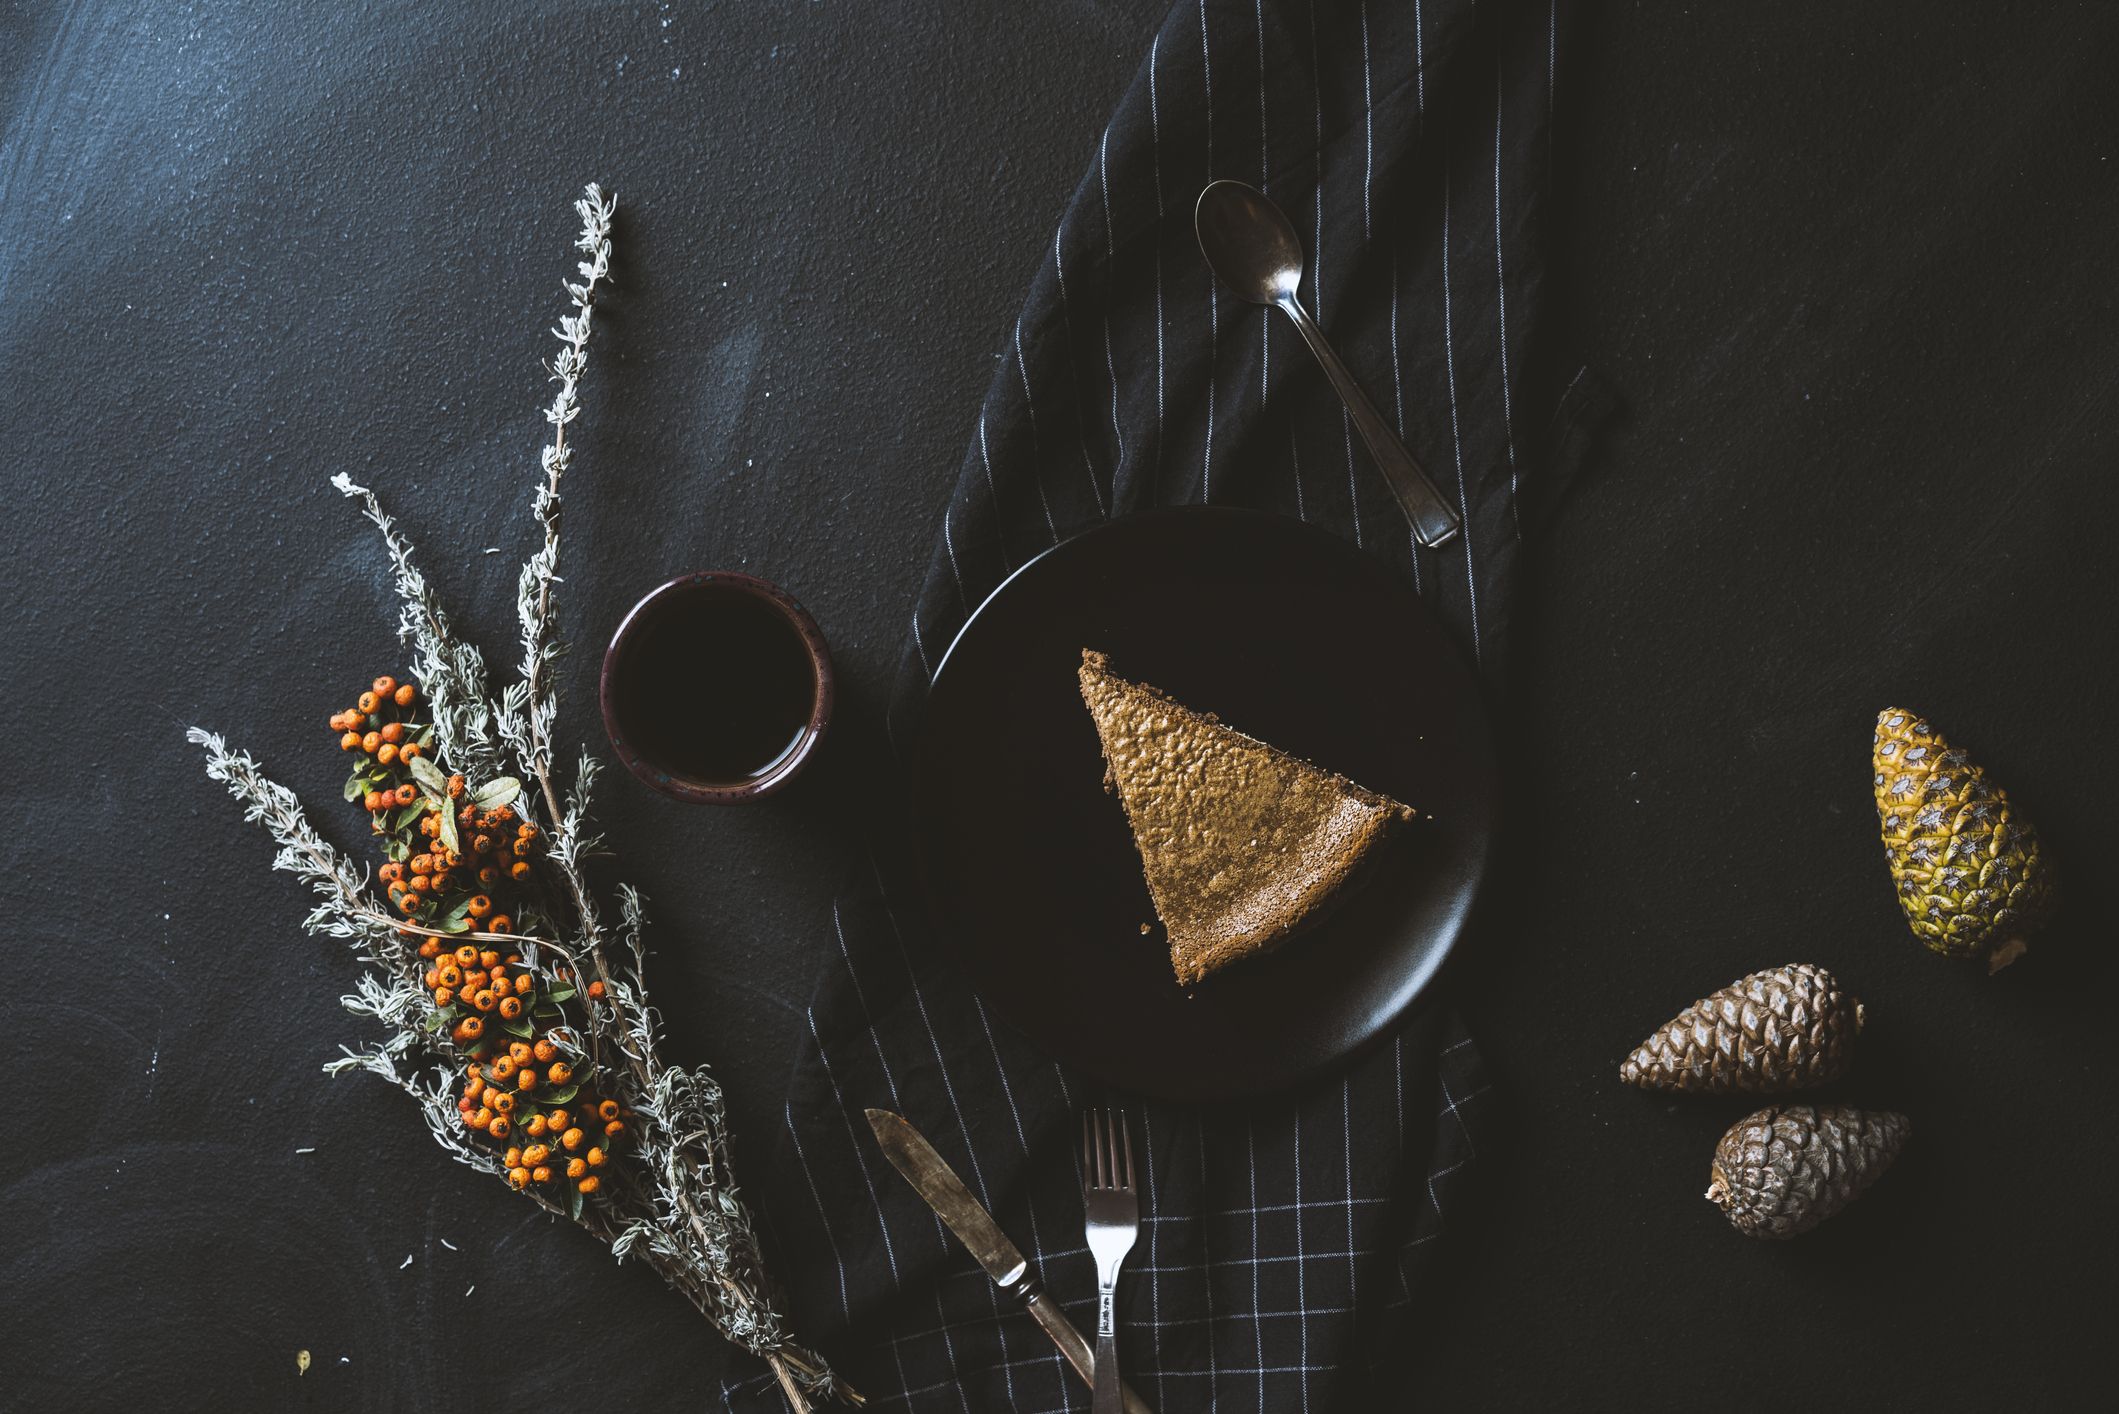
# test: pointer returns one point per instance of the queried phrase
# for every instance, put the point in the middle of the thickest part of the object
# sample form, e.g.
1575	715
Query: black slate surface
1851	272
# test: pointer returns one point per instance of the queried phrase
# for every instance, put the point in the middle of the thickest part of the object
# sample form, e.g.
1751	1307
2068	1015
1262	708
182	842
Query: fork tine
1103	1150
1088	1148
1125	1131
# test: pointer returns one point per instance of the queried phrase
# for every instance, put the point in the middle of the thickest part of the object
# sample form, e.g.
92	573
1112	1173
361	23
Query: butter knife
932	1178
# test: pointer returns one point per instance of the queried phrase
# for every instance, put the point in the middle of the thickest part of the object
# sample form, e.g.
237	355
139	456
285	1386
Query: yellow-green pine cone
1969	871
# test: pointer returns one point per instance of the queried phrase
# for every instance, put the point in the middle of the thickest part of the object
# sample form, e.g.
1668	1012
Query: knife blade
935	1181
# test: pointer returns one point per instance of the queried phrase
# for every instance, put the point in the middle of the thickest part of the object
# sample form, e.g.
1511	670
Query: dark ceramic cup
716	688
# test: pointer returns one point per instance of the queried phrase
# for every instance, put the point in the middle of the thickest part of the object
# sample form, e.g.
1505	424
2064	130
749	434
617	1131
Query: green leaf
455	925
406	816
357	786
551	1098
399	851
575	1198
448	829
426	740
430	778
520	1026
561	994
501	790
436	1021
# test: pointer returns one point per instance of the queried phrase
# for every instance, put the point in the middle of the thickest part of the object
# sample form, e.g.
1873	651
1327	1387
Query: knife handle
1031	1293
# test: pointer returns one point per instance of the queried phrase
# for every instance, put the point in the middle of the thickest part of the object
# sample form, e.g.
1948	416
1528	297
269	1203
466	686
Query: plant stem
787	1384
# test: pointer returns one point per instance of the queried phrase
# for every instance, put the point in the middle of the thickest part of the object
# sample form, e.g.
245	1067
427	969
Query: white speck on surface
491	550
345	1359
406	1263
447	1243
471	1288
676	71
305	1151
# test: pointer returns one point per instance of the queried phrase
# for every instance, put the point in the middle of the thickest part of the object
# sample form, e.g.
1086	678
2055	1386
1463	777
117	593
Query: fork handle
1104	1383
1070	1342
1107	1395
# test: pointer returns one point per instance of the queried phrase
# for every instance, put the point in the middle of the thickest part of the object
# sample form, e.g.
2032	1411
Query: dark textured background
1852	272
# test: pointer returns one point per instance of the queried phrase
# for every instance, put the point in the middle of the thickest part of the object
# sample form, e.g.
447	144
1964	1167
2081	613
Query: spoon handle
1432	519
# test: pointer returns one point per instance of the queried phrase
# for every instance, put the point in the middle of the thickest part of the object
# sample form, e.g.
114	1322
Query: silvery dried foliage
679	1210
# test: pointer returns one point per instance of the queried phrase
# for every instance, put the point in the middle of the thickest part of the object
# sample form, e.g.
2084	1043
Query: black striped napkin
1411	142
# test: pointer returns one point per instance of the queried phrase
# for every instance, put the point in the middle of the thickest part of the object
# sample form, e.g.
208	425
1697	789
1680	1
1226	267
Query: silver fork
1110	1198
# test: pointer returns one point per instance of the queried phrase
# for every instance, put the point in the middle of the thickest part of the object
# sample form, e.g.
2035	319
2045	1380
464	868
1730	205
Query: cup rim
698	792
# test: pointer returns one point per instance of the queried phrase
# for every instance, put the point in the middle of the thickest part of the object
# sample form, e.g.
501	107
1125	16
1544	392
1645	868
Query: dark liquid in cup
715	686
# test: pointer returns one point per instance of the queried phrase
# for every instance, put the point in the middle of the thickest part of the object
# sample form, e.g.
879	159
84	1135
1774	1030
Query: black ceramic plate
1292	636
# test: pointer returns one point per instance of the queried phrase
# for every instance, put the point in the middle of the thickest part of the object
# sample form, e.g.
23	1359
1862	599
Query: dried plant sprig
534	711
344	908
452	671
685	1217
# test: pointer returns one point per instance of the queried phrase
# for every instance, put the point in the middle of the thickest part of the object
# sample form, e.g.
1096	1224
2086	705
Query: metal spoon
1253	250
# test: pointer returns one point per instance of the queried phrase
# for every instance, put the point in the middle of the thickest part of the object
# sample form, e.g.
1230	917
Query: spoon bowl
1248	242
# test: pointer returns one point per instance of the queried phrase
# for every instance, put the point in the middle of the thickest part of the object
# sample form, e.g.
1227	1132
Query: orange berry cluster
492	856
451	872
377	726
521	1087
472	870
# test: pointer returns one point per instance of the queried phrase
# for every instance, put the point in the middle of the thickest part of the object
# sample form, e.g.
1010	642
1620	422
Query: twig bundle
669	1197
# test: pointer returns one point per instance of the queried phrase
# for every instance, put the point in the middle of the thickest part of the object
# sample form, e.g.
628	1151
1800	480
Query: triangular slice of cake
1241	844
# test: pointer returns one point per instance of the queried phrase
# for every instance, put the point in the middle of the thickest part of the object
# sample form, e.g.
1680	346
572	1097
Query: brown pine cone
1786	1168
1782	1029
